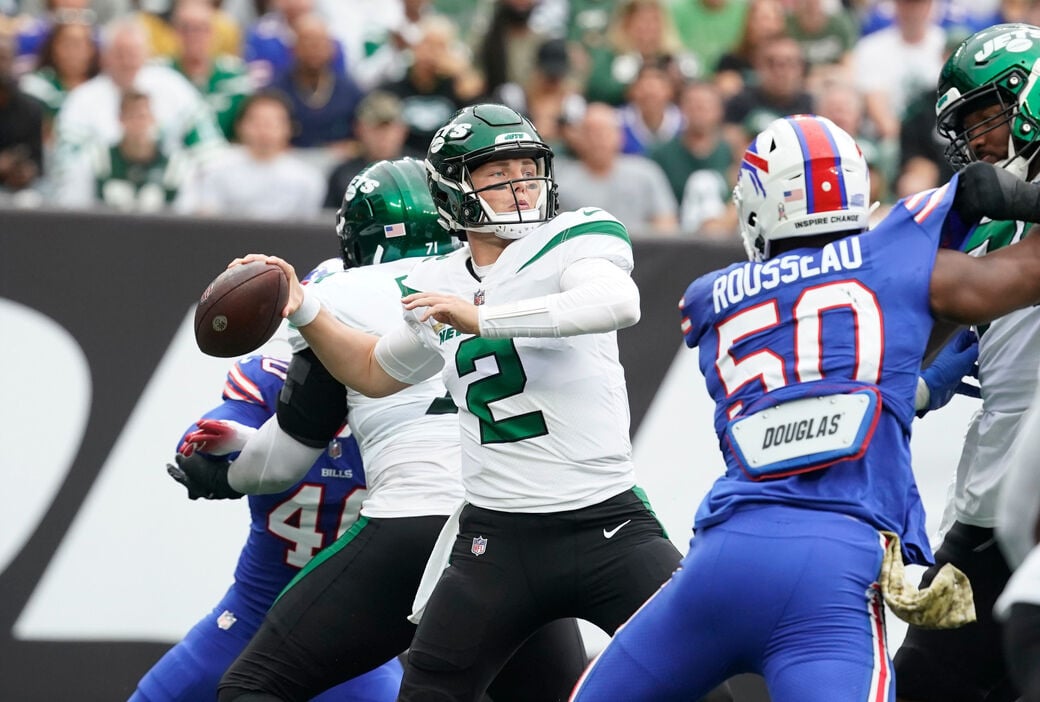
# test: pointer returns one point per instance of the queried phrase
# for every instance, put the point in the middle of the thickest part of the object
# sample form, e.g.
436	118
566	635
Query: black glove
984	190
204	476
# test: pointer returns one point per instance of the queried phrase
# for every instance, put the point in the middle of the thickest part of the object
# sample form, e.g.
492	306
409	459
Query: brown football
240	309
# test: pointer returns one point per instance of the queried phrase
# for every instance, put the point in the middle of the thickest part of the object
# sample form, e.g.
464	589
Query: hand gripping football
240	309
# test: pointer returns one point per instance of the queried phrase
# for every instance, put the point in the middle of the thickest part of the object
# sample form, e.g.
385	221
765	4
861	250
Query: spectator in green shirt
222	80
709	28
640	32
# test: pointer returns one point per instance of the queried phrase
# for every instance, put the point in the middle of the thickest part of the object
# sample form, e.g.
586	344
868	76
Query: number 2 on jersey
508	382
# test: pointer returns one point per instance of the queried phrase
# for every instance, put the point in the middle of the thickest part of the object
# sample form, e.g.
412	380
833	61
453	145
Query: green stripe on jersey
325	554
606	228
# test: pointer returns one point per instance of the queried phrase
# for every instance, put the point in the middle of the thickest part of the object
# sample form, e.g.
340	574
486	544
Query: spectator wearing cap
547	90
381	135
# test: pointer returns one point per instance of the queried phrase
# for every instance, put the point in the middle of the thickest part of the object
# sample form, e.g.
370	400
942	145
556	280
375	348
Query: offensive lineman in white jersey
523	323
988	106
346	613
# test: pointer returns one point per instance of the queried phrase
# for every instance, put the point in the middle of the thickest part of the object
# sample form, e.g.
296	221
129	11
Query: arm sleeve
404	356
312	404
272	461
597	297
983	190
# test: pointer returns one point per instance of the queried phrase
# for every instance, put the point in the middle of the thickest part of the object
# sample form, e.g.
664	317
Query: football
240	309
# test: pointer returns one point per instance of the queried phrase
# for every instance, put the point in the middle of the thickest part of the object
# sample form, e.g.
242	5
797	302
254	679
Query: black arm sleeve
984	190
312	405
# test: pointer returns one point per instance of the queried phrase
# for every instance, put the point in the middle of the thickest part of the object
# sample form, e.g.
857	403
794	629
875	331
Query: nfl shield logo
478	297
226	620
335	450
479	545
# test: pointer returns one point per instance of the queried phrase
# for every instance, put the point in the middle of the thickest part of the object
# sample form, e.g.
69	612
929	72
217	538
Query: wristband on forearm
307	311
922	396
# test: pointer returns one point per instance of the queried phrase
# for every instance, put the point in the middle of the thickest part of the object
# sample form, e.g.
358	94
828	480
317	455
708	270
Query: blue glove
955	361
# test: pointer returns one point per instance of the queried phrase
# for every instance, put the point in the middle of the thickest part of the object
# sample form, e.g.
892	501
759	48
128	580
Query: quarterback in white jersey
520	396
347	612
522	323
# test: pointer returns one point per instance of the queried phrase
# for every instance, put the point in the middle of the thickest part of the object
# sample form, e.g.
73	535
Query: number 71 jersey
784	341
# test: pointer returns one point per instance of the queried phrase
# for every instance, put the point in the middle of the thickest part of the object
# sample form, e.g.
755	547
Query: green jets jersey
135	186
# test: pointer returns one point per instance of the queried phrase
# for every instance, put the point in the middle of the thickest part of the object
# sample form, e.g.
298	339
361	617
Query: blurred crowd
267	108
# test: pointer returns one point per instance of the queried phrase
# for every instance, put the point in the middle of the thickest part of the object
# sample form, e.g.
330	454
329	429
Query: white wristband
307	311
922	396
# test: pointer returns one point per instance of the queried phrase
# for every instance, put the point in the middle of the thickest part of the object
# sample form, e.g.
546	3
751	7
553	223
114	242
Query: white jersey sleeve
409	441
596	296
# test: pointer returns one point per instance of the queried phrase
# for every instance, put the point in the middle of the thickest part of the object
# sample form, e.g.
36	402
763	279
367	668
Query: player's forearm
597	297
272	461
978	290
348	354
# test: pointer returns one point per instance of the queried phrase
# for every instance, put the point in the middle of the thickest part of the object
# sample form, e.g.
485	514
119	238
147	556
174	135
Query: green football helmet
388	214
473	136
999	65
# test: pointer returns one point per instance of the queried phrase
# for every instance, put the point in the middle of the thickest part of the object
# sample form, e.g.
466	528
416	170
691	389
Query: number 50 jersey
812	358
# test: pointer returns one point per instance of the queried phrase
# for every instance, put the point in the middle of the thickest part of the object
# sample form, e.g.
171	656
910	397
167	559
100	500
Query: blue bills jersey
851	317
286	530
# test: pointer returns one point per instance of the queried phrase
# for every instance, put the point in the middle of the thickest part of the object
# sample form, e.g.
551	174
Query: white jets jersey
1008	353
545	421
409	441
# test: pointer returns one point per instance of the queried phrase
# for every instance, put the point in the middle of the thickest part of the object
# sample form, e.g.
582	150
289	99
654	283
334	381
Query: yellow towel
947	603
